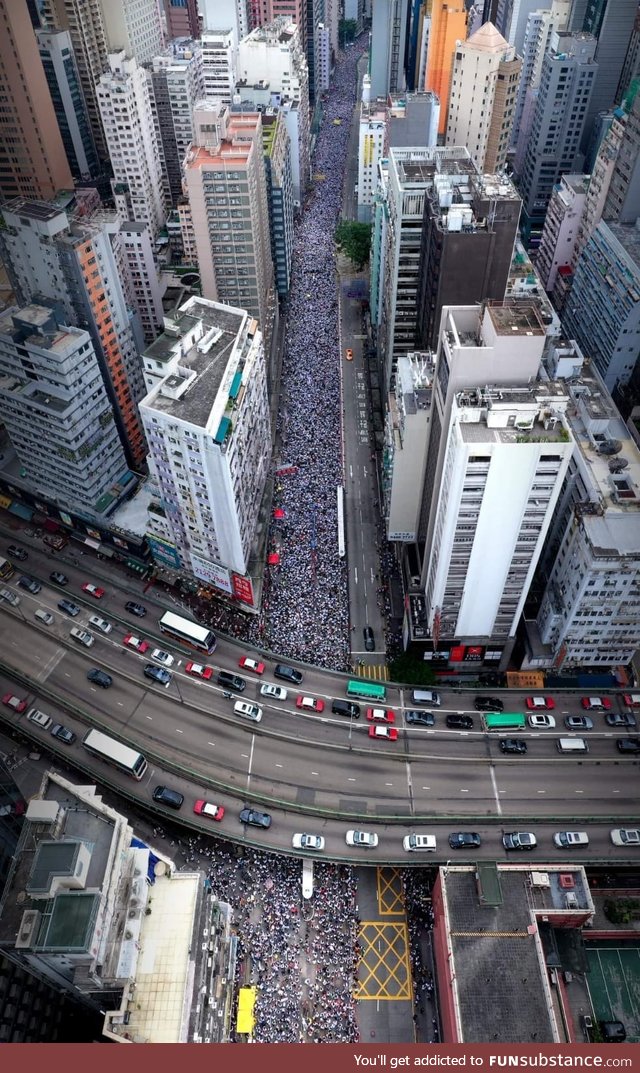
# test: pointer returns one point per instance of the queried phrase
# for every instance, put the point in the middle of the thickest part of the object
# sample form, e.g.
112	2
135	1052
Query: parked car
58	577
135	609
14	552
254	818
314	842
368	839
419	718
488	704
369	639
519	840
513	745
67	737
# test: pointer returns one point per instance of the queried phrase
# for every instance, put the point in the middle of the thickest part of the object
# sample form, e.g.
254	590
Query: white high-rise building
561	227
133	27
143	273
540	25
225	15
219	64
124	98
207	421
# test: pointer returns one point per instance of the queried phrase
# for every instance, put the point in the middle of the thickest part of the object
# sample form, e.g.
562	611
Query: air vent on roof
28	928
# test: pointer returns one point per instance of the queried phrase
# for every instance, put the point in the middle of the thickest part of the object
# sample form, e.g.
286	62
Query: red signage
456	655
282	471
474	652
242	588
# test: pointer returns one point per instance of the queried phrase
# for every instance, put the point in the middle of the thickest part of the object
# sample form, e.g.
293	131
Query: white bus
114	752
190	633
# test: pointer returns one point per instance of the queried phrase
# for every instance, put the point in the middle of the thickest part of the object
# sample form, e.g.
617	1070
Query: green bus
504	721
360	687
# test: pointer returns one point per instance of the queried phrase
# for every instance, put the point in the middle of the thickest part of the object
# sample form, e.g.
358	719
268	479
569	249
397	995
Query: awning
273	559
91	543
245	1021
21	510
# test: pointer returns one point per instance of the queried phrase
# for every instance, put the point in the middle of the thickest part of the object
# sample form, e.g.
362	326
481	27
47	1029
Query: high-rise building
133	27
73	262
207	422
57	412
230	15
631	66
277	161
537	41
177	83
33	162
124	99
561	227
182	17
142	271
389	28
623	195
512	16
484	86
597	189
60	69
219	64
226	186
448	25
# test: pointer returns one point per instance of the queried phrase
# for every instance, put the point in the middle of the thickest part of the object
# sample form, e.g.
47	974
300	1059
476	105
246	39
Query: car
460	722
83	637
30	584
625	836
310	704
44	616
99	678
100	624
595	704
348	354
287	674
93	590
11	701
135	642
231	681
488	704
69	607
569	839
620	719
248	710
345	707
67	737
308	842
413	843
542	722
382	731
11	597
164	658
419	718
632	700
157	674
165	796
380	715
58	577
369	639
249	664
578	722
540	703
519	840
369	839
464	840
254	818
512	745
41	719
198	670
209	811
612	1031
17	553
135	609
56	542
268	689
628	745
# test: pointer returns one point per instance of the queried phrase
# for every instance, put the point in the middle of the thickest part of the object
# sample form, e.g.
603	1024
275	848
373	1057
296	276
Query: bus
190	633
504	721
7	570
360	687
114	752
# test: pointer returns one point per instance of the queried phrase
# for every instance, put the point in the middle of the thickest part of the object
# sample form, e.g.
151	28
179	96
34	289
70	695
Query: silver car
307	842
362	838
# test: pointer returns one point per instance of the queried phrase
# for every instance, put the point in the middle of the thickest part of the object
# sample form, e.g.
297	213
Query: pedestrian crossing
377	671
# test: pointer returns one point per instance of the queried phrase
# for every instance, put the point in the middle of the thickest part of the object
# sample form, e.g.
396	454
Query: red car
537	704
380	715
388	733
632	700
205	808
310	704
14	702
93	590
596	704
249	664
135	642
198	670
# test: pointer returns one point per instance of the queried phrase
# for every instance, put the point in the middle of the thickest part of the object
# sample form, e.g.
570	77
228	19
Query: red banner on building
242	588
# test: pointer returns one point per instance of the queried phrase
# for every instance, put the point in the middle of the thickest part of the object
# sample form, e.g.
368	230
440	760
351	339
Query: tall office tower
219	64
182	17
553	146
611	23
499	449
598	188
540	26
32	157
124	99
56	54
484	85
207	421
512	17
389	29
73	262
448	25
57	412
602	312
231	15
277	161
623	196
272	55
177	83
230	213
631	66
561	227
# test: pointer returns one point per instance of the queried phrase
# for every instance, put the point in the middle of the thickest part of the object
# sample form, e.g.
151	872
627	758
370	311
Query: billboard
242	588
211	573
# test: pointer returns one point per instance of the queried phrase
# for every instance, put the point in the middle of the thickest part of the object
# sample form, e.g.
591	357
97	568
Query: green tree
354	240
346	31
411	669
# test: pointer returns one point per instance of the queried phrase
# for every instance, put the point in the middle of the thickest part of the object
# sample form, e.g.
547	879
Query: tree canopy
354	240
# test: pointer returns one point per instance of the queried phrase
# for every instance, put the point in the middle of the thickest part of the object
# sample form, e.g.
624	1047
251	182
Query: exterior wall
182	18
598	189
561	227
371	149
623	197
448	25
133	26
388	33
143	273
219	61
177	83
59	65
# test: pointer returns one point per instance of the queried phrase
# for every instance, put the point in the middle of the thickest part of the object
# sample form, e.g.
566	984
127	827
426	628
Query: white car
542	722
160	656
568	839
267	689
44	616
625	836
414	842
361	838
307	842
100	624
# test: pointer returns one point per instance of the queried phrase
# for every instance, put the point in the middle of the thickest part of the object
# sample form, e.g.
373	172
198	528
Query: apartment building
448	25
539	27
561	227
142	271
219	64
177	83
278	171
226	15
207	420
183	19
62	77
599	183
406	435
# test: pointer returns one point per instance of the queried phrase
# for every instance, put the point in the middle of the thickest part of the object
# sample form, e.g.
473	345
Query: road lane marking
496	792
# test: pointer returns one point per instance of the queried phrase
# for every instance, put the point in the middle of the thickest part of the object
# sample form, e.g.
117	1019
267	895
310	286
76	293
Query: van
568	839
427	697
249	711
572	745
41	719
345	707
83	637
231	681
